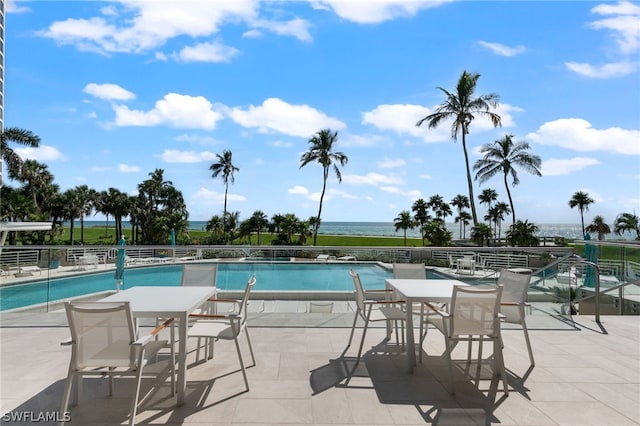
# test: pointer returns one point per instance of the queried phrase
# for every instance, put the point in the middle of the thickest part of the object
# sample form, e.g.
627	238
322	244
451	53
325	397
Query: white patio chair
514	302
104	341
200	275
385	310
226	326
473	315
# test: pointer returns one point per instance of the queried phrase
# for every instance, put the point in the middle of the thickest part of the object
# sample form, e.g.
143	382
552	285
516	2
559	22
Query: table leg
182	358
411	350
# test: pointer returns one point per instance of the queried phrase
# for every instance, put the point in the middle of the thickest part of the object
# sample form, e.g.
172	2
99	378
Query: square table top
428	290
162	301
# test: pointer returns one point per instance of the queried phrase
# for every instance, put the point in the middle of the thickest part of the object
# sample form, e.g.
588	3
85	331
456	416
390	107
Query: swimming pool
282	277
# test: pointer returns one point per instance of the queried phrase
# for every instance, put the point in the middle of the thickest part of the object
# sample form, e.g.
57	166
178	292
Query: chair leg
134	402
526	338
246	332
449	362
66	395
353	328
244	373
499	356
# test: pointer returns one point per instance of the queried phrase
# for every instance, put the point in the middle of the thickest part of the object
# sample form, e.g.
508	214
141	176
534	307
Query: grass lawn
102	236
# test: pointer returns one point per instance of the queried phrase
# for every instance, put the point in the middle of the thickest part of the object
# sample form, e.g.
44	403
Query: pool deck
585	374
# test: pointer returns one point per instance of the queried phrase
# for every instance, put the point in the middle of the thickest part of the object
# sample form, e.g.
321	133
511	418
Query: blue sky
118	89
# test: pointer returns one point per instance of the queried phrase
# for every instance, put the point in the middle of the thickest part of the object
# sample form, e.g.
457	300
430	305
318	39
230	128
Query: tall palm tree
502	157
404	221
321	151
598	226
581	200
224	168
627	222
460	202
463	107
21	137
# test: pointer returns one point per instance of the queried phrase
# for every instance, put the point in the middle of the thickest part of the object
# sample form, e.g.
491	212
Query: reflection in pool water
284	277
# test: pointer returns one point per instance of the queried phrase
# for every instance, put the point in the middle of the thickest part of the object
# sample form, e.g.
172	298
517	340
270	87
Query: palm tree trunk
224	214
469	181
324	187
513	209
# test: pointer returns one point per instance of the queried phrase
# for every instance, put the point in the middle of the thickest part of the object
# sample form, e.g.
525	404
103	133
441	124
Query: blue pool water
288	276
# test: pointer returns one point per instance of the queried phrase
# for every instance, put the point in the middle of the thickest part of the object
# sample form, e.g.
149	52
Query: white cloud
623	23
206	52
11	6
389	163
252	34
176	156
619	69
361	141
558	167
197	139
276	115
175	110
297	189
402	119
501	49
298	28
577	134
374	11
133	26
127	168
109	92
41	154
375	179
206	196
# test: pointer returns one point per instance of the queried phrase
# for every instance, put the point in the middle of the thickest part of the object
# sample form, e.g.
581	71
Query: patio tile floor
582	377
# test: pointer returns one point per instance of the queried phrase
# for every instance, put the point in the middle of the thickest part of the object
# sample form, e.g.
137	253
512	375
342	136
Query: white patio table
420	290
167	302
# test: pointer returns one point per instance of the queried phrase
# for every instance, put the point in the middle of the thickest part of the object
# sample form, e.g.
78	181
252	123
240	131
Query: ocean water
387	229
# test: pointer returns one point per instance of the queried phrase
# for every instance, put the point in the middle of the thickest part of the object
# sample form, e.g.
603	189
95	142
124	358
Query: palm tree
460	202
463	108
404	221
225	168
464	218
19	136
522	234
321	151
259	222
581	200
488	196
627	222
598	226
503	156
421	215
499	211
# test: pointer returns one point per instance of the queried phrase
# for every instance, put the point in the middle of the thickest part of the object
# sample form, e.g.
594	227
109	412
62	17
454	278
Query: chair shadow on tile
383	369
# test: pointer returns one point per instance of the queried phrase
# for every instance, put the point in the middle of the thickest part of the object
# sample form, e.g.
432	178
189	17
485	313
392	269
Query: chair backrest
409	270
359	292
199	274
102	334
515	286
245	299
474	310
